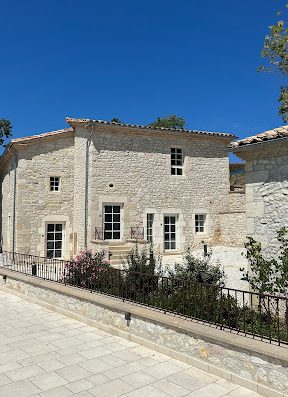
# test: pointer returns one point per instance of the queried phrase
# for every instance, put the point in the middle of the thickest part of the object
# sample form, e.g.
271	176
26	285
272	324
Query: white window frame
46	239
149	226
113	204
176	156
54	183
170	231
200	222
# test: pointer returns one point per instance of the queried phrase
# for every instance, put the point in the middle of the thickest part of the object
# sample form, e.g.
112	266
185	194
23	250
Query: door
169	232
112	222
54	240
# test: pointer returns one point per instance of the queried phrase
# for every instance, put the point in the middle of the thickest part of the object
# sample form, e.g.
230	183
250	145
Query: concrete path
43	353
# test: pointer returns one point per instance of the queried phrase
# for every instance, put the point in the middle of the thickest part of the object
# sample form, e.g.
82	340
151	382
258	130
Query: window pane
108	226
58	236
50	236
116	217
173	171
108	209
173	245
50	245
58	254
50	254
50	228
116	208
58	244
116	235
59	227
107	235
116	226
108	217
179	171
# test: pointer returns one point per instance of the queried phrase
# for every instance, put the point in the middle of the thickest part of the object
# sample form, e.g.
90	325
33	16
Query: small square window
176	161
54	183
200	220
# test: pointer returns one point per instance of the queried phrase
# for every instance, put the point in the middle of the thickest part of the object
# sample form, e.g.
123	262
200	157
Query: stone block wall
35	203
134	169
267	198
233	221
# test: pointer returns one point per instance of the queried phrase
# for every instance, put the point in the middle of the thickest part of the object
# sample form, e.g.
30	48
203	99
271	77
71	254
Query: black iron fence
259	315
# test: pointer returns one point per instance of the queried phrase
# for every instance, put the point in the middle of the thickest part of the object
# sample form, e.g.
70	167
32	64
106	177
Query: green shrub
198	270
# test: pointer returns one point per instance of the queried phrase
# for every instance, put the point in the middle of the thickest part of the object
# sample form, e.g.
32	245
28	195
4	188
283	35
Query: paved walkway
43	353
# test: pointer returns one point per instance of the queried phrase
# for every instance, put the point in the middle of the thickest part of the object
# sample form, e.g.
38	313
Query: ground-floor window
170	232
150	220
54	240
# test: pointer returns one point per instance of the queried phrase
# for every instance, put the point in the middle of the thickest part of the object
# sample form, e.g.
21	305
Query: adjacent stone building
99	184
266	157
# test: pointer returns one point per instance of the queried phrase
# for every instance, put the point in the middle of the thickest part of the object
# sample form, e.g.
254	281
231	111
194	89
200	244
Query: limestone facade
126	168
266	190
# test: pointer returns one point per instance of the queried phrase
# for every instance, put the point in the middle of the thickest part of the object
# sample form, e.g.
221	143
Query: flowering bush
86	269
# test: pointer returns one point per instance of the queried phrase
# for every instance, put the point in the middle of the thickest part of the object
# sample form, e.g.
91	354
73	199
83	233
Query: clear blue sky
137	60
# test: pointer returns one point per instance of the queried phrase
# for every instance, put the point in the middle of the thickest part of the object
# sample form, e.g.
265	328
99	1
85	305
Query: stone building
266	157
102	184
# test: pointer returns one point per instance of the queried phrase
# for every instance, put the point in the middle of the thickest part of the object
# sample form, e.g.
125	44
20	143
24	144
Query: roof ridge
71	120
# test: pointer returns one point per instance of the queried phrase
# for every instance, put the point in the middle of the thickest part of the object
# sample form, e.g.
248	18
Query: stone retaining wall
252	363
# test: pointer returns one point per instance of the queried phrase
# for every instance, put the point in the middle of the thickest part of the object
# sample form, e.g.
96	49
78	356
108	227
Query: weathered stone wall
7	200
233	221
137	165
263	373
267	198
35	203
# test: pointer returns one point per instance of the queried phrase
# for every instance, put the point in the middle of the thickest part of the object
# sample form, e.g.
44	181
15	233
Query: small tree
5	130
171	121
268	275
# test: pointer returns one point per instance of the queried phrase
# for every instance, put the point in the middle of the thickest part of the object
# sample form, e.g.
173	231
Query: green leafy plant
268	275
275	50
199	270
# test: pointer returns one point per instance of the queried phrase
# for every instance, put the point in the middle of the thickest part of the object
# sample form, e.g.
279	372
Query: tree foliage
198	270
268	275
275	50
116	120
171	121
5	130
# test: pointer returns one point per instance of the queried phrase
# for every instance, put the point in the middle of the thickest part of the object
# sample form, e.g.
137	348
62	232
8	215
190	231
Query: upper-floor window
54	183
176	161
200	220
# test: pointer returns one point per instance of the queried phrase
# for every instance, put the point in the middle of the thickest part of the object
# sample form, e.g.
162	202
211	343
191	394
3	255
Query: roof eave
73	122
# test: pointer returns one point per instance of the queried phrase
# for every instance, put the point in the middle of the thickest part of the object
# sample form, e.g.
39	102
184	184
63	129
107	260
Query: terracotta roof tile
71	121
45	134
276	133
